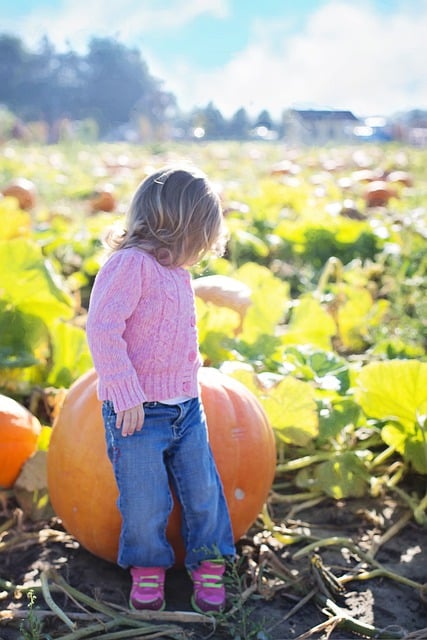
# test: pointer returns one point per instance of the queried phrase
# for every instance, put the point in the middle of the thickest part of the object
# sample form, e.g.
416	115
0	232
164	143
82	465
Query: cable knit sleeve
116	293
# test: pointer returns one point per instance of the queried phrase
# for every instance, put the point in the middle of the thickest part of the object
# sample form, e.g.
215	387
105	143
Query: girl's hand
130	420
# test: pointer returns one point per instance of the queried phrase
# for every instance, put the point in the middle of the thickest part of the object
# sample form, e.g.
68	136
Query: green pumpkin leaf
244	240
216	328
310	324
396	391
410	443
269	298
336	415
29	283
24	338
14	222
330	370
357	315
289	404
343	476
70	354
393	390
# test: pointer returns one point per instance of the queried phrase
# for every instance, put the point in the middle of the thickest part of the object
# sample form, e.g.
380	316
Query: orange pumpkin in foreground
81	482
19	431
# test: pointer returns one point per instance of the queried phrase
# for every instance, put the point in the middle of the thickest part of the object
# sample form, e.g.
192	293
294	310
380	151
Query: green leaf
331	371
70	354
396	391
336	415
289	403
32	302
410	443
310	324
246	243
343	476
269	299
24	338
14	222
29	283
216	327
263	352
357	315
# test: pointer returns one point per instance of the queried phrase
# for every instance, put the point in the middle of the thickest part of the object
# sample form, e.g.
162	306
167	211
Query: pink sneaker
209	590
147	588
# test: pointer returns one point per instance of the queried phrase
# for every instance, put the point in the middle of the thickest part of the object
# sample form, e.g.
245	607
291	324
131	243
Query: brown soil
286	593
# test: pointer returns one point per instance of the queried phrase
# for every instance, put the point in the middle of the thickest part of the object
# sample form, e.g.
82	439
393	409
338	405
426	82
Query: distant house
412	128
313	127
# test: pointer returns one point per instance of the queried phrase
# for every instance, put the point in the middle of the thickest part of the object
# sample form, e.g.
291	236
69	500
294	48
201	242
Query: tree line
110	90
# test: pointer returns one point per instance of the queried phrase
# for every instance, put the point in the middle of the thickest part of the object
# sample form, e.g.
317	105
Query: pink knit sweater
141	330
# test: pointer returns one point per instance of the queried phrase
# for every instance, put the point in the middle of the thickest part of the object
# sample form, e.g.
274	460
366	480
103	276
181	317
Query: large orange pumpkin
81	482
19	431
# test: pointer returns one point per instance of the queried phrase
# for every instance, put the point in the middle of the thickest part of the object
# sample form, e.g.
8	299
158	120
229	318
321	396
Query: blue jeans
172	449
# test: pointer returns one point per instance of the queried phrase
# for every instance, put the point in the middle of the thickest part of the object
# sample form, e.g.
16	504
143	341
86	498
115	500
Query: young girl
141	330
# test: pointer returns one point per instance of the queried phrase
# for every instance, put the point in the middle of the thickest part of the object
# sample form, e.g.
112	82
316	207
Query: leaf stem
368	558
304	461
382	457
295	497
391	531
356	626
52	604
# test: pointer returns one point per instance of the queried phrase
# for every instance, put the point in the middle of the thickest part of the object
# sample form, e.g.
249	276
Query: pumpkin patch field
313	334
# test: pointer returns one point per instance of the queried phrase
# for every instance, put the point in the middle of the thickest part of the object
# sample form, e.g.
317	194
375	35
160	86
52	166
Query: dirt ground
277	590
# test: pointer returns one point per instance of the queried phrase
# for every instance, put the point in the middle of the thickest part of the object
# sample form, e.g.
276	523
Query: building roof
316	115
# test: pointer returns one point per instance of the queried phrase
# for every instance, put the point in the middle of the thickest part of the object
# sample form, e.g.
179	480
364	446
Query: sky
367	56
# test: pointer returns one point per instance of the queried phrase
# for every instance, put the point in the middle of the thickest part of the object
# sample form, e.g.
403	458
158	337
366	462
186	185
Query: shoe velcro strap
211	581
147	583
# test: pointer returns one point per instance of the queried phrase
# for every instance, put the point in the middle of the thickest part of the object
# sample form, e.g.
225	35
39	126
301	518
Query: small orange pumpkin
19	431
81	482
103	200
23	190
378	193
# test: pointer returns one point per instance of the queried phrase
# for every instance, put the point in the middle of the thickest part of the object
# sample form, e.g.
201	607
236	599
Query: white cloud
347	57
76	21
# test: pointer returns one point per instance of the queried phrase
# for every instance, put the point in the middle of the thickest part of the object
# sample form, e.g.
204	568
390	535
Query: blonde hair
174	215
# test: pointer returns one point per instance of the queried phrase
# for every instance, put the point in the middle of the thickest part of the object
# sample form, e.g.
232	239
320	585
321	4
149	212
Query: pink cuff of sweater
124	394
